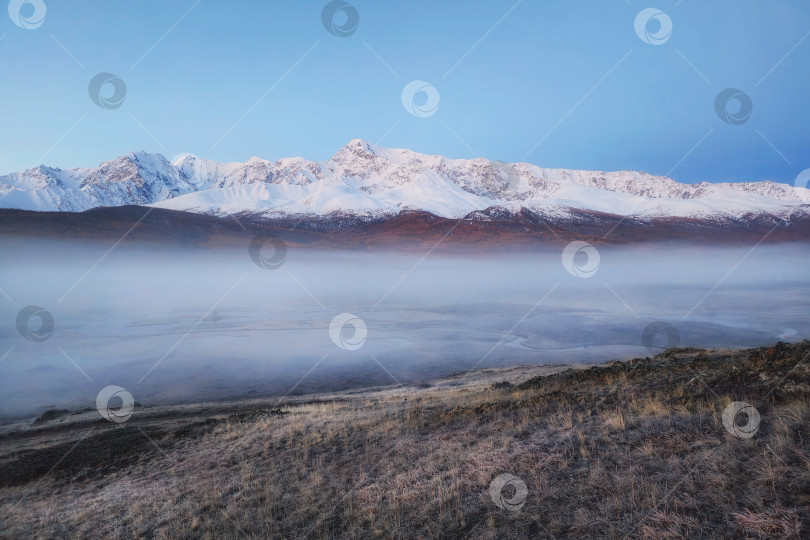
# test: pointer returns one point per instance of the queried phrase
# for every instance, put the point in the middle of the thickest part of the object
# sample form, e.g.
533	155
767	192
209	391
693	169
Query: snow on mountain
362	179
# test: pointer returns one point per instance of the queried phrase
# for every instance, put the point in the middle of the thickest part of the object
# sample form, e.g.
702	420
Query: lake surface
191	325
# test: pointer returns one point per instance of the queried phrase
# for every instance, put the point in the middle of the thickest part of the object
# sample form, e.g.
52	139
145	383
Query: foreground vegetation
636	448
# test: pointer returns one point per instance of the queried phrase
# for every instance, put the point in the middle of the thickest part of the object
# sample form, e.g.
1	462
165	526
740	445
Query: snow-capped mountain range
365	180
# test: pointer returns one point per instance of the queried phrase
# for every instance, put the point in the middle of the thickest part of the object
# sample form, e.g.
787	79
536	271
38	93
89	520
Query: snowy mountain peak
358	150
358	143
184	159
363	179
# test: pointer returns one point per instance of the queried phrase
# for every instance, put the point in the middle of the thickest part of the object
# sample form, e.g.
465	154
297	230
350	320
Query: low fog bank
190	325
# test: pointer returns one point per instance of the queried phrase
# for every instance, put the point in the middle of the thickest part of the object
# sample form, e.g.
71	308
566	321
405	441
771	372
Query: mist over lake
192	325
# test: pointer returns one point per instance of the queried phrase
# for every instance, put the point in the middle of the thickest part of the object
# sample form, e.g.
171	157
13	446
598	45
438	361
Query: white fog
133	318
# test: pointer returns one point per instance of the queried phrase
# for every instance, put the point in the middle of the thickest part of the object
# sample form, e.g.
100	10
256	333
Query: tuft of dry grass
632	448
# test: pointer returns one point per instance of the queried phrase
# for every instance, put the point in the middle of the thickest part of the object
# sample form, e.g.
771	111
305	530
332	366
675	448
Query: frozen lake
196	325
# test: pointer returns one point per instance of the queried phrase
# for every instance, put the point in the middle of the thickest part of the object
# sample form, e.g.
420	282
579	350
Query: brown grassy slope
410	230
629	449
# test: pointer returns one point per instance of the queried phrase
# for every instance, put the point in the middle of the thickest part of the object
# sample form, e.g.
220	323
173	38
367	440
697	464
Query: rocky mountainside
363	181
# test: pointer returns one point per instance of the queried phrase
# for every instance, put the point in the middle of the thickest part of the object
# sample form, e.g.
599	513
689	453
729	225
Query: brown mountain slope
490	230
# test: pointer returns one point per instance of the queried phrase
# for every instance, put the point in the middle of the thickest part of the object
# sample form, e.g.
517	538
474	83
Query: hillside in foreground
644	448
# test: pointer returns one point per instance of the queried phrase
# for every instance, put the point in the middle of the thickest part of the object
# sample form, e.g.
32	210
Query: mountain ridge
407	231
367	181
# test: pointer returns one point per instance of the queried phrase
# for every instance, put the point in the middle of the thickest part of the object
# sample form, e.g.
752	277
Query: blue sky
557	83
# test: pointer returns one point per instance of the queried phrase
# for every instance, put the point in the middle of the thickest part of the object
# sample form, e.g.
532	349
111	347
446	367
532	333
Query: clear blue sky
537	69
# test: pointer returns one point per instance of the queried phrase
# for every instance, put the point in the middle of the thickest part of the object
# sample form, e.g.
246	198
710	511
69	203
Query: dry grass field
630	449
